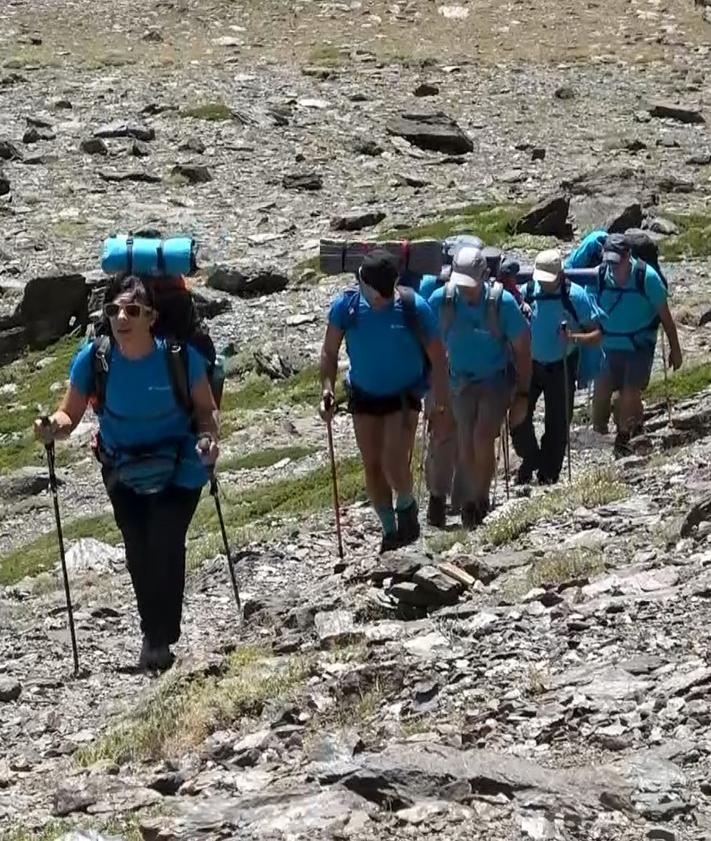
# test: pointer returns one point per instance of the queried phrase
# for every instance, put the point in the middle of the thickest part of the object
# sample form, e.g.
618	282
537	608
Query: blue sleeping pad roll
149	257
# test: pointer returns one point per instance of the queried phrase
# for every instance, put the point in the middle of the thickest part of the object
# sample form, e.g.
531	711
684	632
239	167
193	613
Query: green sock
387	518
404	501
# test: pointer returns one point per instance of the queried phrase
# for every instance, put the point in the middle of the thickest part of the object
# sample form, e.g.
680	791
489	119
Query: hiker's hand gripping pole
45	424
203	446
328	406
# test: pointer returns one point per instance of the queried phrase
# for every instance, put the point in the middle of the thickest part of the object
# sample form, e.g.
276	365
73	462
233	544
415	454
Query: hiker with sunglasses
154	456
392	340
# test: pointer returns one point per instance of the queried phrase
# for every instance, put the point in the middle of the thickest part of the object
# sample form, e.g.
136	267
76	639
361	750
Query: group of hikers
477	353
468	344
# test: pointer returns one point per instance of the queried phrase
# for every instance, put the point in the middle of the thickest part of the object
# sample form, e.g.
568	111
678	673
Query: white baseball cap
469	267
548	266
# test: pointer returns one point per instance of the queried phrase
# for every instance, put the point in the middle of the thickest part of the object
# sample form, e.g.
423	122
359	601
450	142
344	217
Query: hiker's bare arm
329	357
65	419
440	371
592	336
521	347
669	326
207	415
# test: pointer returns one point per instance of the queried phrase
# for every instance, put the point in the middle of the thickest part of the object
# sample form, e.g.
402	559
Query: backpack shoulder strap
496	291
446	314
409	309
566	301
178	370
530	291
100	361
640	277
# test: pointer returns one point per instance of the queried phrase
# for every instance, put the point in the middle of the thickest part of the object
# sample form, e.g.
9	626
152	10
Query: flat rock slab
126	129
404	774
672	111
285	813
337	628
434	132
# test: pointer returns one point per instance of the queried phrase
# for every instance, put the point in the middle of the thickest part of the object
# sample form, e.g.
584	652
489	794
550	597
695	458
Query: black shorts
361	403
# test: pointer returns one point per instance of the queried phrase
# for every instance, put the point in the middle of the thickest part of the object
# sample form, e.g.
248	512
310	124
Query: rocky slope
545	678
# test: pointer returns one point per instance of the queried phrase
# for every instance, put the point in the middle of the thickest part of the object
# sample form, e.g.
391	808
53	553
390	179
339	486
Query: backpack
179	325
409	313
562	295
638	288
493	300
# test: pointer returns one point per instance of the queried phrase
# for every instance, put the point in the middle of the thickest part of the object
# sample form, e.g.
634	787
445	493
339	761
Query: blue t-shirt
385	355
547	314
589	253
429	283
474	352
630	312
141	410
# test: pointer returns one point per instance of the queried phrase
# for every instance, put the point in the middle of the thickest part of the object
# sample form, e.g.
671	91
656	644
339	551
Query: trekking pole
215	493
423	457
49	449
334	477
496	471
566	394
204	445
507	463
666	380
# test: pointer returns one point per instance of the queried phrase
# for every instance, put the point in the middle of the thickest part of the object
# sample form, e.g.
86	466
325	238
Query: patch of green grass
594	488
71	229
556	568
42	553
213	112
693	239
34	381
492	223
125	828
442	541
242	511
325	54
261	392
682	384
266	458
294	495
182	712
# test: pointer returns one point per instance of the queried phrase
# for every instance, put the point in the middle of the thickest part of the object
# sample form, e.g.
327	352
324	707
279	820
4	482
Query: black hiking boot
545	479
156	658
473	514
622	445
408	525
524	475
389	543
437	511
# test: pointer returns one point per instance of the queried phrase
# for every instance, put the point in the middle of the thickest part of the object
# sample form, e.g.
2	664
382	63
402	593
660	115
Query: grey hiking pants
441	470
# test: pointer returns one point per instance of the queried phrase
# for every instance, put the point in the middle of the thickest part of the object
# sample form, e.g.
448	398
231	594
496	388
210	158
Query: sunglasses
131	310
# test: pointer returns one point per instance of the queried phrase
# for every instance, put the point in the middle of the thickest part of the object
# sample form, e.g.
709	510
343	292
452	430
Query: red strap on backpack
405	253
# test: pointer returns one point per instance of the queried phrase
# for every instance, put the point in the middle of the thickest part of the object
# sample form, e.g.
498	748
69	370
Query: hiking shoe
544	479
622	445
524	475
437	512
389	543
473	514
154	657
408	525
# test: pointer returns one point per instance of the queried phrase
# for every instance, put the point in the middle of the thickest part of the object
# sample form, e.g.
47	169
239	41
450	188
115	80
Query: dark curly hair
130	285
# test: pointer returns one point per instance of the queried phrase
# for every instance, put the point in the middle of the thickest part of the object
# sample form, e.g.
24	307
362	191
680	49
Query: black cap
509	267
615	248
379	269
